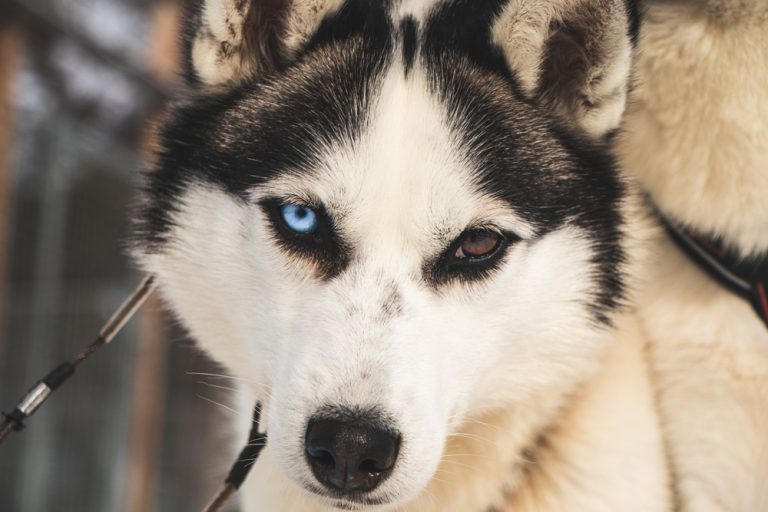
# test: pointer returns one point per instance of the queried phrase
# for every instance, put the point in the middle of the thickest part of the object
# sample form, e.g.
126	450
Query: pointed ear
571	56
228	41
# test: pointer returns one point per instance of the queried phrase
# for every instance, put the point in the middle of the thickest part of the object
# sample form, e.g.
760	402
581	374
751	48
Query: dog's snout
350	456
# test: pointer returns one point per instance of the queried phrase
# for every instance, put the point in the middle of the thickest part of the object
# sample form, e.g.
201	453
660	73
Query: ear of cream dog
696	138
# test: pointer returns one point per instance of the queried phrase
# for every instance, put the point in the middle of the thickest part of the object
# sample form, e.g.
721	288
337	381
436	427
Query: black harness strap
745	277
247	458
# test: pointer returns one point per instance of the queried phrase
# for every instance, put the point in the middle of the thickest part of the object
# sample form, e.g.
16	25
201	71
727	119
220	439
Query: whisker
222	376
477	455
473	437
230	409
495	428
209	385
440	479
457	463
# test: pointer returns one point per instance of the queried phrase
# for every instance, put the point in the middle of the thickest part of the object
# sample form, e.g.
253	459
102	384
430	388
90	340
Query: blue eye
300	219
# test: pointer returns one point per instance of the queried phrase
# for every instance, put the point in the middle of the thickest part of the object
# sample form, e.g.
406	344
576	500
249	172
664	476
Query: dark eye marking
472	256
308	232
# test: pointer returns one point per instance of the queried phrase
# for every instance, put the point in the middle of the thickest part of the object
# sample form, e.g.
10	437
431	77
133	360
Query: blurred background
140	427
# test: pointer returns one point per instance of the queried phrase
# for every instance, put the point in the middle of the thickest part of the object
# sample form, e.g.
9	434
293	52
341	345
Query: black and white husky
399	221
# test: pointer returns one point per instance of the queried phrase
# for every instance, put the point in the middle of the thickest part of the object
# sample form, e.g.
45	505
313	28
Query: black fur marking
463	27
191	25
548	174
599	193
409	34
242	138
356	18
184	156
633	12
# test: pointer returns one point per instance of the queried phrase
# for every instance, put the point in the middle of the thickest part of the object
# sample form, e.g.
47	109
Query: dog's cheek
529	327
212	273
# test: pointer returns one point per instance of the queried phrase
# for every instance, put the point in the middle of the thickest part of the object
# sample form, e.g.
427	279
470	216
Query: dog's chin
364	502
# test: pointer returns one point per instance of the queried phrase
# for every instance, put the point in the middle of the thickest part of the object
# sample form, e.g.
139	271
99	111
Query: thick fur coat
475	273
696	138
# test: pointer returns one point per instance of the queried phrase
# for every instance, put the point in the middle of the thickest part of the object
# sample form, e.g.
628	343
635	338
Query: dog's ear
228	41
571	56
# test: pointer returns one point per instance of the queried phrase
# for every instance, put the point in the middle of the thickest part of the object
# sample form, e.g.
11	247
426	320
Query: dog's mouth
347	500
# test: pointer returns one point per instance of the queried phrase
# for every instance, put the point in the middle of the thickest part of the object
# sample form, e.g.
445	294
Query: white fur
418	9
605	445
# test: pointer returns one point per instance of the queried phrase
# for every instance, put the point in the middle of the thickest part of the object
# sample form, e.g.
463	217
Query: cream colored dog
696	138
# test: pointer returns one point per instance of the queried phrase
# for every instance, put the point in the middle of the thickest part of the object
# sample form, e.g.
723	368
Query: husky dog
400	225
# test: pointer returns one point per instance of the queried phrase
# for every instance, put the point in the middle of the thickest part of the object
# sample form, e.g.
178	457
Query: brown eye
478	243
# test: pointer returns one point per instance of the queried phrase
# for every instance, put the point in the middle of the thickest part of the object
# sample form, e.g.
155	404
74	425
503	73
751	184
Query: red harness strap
745	277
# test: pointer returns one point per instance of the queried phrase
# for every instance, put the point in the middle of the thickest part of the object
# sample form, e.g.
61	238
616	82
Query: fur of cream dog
695	136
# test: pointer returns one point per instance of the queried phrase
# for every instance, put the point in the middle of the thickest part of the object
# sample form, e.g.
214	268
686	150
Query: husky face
386	235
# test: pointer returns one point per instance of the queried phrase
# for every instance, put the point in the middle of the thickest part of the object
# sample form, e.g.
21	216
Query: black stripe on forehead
409	39
463	27
633	11
366	18
239	139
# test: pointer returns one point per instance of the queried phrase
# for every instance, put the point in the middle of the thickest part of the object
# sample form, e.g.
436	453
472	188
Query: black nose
350	456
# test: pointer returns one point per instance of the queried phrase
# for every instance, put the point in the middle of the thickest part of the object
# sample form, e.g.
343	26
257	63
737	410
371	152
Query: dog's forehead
406	174
414	116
